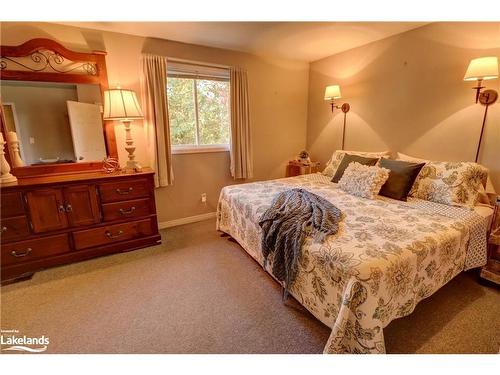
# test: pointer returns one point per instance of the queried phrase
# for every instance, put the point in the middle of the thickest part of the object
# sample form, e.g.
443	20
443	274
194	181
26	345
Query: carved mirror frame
45	60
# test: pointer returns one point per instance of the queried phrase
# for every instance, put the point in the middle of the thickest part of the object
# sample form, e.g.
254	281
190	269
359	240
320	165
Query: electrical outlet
204	198
32	140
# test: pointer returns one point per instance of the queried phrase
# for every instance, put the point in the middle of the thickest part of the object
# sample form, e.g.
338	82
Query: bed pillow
401	178
412	159
348	159
333	163
451	183
487	194
363	180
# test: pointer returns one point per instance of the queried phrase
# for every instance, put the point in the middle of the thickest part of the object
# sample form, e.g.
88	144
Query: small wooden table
297	168
491	271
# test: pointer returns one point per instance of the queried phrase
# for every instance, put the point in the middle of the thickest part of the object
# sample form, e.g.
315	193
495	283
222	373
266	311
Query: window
198	104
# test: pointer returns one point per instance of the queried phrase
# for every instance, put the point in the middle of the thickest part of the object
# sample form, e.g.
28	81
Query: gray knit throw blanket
294	214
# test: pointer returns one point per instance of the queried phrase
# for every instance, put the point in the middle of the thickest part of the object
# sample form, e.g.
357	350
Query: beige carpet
200	293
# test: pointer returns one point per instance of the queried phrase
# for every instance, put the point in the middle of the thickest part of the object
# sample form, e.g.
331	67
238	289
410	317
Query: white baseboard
186	220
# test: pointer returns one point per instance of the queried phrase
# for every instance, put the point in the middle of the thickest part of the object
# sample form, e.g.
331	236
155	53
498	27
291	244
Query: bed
386	257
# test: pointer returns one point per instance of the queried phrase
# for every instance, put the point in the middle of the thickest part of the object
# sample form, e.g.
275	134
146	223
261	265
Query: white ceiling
304	41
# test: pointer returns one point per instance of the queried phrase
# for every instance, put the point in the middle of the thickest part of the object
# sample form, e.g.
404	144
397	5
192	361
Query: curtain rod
192	62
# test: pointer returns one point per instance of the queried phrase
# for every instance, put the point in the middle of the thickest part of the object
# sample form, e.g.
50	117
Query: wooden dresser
54	220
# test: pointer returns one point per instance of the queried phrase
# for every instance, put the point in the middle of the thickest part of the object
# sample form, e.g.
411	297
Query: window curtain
156	122
241	145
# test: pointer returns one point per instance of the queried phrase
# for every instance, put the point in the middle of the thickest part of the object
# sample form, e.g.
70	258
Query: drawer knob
61	208
127	212
69	208
111	235
4	229
124	191
19	255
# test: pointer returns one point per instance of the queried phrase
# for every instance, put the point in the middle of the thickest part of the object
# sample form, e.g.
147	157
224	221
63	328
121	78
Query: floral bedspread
386	257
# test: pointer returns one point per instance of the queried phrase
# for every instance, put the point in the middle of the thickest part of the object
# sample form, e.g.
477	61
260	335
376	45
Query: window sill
179	150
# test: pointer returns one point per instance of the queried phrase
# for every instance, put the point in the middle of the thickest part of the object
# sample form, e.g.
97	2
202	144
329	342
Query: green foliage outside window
211	125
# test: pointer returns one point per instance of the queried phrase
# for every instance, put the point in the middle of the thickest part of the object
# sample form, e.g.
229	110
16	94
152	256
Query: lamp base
8	179
488	97
132	169
345	107
132	165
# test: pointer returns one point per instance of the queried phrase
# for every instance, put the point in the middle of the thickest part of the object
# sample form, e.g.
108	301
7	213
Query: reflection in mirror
54	122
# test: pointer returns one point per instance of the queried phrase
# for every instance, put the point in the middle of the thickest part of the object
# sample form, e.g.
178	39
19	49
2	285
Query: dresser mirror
51	109
54	122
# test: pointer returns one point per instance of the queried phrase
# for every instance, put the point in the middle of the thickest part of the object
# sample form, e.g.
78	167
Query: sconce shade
120	104
332	92
482	68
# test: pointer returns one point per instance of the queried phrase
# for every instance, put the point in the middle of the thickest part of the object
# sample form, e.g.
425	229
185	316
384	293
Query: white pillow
411	159
363	180
333	163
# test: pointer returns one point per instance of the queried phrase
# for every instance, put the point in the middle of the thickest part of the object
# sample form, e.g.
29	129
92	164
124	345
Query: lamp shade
332	92
482	68
120	104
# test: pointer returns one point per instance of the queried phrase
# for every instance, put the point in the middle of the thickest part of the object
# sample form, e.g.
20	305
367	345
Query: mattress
485	212
386	257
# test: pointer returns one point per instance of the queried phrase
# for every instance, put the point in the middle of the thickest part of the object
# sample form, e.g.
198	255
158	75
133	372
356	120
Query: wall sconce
480	69
331	93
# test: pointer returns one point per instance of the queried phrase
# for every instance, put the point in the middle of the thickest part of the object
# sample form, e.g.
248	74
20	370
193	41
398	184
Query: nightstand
297	168
491	271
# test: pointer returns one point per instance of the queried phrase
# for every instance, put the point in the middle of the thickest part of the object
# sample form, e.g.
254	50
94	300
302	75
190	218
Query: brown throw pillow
401	178
348	159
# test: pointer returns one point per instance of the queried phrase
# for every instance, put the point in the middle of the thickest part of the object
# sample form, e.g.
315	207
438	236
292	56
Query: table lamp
122	105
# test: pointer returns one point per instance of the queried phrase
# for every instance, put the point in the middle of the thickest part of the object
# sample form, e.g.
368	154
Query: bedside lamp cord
482	130
343	131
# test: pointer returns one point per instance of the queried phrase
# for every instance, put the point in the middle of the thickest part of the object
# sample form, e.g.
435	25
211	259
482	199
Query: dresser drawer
14	228
26	251
12	204
127	209
124	190
112	233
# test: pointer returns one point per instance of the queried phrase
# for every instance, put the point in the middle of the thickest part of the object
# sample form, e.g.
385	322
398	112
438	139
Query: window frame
197	148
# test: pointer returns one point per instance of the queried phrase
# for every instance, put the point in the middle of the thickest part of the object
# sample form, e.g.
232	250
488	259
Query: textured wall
278	105
407	94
